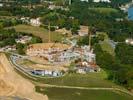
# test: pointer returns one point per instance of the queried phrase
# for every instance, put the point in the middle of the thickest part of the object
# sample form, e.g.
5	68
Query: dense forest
119	67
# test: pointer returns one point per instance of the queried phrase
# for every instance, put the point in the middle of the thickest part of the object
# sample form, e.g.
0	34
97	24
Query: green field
40	32
104	10
105	44
77	94
80	80
98	80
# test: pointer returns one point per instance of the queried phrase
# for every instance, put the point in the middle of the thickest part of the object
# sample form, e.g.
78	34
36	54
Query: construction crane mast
49	31
89	34
70	2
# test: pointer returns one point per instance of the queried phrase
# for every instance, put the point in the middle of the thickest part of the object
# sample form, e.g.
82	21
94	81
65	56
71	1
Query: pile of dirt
12	84
2	70
5	88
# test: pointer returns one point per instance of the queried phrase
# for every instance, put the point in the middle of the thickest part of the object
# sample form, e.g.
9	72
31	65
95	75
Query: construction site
53	59
56	57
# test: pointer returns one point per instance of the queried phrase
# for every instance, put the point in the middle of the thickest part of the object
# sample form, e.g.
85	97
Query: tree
20	48
124	53
35	40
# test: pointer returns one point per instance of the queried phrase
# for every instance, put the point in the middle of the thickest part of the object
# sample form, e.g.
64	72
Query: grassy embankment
77	94
80	80
106	46
39	31
104	10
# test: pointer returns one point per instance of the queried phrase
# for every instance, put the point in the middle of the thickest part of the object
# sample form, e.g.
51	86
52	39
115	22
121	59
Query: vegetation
101	17
105	44
61	20
77	94
8	36
118	67
9	22
20	48
80	80
39	32
124	53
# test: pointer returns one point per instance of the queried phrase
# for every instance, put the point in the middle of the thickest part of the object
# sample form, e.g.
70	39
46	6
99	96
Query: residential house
108	1
85	67
35	22
83	31
23	39
129	41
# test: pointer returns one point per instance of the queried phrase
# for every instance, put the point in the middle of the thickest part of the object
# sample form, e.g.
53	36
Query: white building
23	39
1	5
102	1
84	0
35	22
85	67
83	31
129	41
25	19
8	48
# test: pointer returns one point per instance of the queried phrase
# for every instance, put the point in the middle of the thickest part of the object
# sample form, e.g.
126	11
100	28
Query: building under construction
59	53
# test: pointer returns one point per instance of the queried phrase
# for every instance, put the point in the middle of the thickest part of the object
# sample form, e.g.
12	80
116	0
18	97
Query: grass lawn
77	94
80	80
105	44
107	47
77	80
40	32
105	10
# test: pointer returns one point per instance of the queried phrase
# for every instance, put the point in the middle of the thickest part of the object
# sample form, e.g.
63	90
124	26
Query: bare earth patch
12	84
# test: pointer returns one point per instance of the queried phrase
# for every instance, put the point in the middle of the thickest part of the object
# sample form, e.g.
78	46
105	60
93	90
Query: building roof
83	30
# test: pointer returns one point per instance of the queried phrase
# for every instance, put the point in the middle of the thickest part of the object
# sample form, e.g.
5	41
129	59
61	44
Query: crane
49	29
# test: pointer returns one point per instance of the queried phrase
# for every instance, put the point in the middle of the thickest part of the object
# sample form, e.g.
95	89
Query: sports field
77	94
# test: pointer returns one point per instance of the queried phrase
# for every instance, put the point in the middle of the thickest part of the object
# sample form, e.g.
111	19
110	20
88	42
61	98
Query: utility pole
89	33
70	2
49	30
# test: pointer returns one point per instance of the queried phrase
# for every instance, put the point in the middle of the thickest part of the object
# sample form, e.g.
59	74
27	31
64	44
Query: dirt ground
12	84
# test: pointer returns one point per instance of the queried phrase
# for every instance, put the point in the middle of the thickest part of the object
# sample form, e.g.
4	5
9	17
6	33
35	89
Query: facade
1	5
23	39
8	48
35	22
46	73
85	67
84	0
102	1
129	41
25	20
83	31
